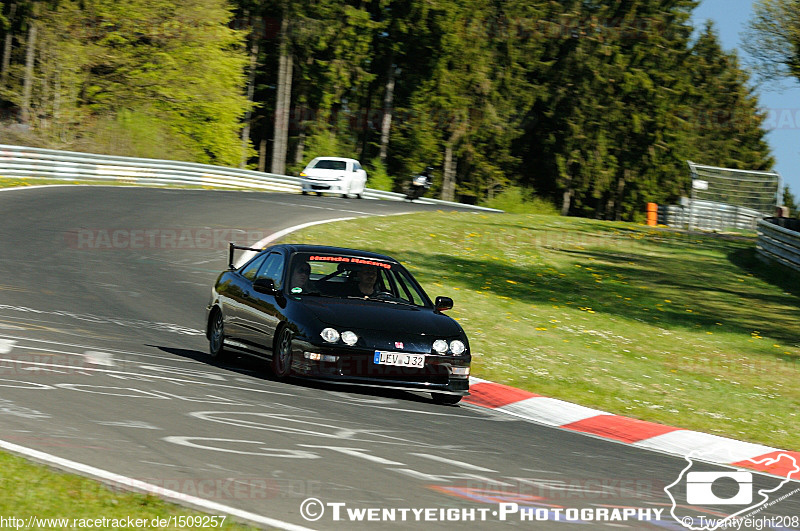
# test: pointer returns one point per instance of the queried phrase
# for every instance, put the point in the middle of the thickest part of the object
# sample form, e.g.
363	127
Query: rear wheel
445	400
282	354
216	336
319	194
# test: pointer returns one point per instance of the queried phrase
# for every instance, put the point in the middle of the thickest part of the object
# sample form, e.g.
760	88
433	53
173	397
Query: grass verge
684	329
31	490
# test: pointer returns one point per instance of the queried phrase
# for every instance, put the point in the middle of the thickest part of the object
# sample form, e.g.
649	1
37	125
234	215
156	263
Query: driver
367	276
300	276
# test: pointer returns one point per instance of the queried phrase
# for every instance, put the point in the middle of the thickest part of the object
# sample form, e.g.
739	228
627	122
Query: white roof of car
335	158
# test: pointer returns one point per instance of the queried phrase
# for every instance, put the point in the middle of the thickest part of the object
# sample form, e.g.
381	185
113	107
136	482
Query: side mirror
443	303
265	285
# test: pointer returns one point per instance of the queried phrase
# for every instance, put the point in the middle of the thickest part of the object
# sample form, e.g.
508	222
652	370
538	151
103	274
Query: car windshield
347	276
327	164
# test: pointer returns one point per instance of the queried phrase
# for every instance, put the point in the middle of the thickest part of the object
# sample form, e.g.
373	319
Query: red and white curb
640	433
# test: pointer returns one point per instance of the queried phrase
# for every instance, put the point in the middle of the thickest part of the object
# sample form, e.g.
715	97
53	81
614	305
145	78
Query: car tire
445	400
319	194
216	336
304	192
281	363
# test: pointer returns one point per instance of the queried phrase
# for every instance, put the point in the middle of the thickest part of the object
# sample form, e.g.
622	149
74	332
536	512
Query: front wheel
216	337
445	400
282	354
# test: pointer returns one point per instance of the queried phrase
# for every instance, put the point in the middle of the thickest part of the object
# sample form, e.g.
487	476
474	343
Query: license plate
399	360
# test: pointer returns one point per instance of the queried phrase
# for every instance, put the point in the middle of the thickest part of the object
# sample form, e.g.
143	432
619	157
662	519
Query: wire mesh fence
726	198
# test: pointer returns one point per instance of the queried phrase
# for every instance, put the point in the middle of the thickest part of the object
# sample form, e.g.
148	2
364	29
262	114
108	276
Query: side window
249	271
272	268
356	166
407	292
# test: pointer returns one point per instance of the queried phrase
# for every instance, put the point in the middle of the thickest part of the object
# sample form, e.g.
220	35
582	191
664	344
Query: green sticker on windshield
297	290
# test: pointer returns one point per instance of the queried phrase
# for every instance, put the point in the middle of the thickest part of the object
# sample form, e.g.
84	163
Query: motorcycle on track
419	184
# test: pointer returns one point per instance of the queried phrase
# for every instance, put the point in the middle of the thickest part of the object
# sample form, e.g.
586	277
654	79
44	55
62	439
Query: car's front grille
365	368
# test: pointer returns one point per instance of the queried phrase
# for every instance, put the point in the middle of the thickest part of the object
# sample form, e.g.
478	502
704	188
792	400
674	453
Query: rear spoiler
232	247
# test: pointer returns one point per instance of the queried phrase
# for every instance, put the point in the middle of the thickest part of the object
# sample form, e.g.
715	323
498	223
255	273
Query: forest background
591	106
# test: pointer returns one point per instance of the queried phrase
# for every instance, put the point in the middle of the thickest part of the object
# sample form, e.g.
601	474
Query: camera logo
709	494
699	488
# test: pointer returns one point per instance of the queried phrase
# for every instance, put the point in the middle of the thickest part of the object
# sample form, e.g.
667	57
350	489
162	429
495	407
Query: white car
335	175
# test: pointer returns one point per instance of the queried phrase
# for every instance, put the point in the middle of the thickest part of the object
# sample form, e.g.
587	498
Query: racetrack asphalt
103	362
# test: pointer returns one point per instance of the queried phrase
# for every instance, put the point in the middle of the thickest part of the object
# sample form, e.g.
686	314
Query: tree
724	124
96	60
790	202
773	38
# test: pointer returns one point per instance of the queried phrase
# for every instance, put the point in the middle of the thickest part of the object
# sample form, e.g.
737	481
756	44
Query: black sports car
340	315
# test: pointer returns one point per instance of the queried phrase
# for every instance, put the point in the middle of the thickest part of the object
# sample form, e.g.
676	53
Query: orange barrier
652	214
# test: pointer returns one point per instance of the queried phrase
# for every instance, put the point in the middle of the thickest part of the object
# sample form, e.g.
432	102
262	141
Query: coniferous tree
725	125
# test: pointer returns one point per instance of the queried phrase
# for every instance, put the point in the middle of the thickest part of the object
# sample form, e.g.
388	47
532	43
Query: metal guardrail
29	162
709	215
779	240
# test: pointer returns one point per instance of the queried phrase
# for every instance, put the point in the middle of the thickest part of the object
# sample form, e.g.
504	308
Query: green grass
34	490
687	330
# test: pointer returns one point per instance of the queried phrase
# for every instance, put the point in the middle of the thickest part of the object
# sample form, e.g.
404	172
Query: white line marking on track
171	357
120	481
99	358
450	461
130	323
6	345
152	376
267	450
281	233
130	424
356	452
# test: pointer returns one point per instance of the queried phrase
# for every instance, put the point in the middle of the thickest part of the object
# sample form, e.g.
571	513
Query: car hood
360	314
326	175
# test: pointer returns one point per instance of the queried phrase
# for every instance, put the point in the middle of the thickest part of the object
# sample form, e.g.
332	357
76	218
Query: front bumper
312	185
357	366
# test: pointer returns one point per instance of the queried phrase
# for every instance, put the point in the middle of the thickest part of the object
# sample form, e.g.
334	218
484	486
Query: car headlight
303	174
440	346
350	338
457	347
330	335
